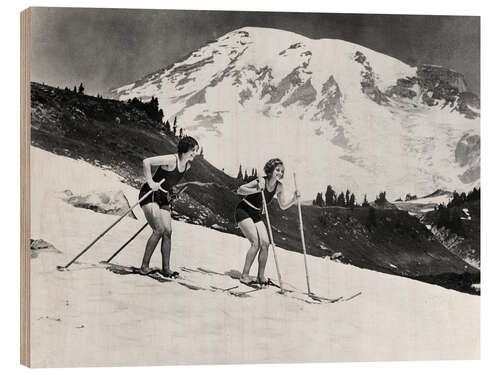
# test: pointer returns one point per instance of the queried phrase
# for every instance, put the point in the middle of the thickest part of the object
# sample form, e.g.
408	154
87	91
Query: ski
155	274
210	272
310	298
323	299
273	284
351	297
216	288
313	296
246	292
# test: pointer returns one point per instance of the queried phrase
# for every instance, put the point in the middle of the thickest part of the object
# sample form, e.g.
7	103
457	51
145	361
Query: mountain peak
270	88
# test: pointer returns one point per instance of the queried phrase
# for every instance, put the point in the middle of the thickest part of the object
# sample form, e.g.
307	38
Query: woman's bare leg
166	241
152	213
248	228
264	250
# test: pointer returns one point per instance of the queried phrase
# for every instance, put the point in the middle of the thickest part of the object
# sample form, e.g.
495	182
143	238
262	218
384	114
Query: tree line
460	199
245	177
332	198
151	108
450	215
155	113
80	90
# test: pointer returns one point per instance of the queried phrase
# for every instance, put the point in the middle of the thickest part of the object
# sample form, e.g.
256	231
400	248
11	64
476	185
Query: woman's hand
155	186
297	195
261	184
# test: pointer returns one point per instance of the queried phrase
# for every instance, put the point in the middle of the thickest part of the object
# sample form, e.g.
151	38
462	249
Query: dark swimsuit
245	210
172	178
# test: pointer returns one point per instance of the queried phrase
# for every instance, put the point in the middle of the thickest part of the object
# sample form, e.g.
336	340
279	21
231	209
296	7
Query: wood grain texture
25	187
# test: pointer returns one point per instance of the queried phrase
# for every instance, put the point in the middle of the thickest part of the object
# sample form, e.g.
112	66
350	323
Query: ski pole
272	240
126	243
301	225
178	193
62	268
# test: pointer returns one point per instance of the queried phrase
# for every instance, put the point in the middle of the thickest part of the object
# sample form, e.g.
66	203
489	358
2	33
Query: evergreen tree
240	173
474	195
246	176
74	89
175	129
365	202
341	200
456	201
381	198
347	197
352	200
81	89
152	109
319	200
181	132
175	121
463	197
329	196
201	151
168	129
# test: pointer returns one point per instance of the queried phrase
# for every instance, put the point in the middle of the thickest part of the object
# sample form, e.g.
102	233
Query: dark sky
106	48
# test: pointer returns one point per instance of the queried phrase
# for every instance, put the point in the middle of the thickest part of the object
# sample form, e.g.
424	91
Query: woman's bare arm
252	187
168	160
281	198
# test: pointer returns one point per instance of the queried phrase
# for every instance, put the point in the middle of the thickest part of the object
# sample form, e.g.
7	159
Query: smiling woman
248	215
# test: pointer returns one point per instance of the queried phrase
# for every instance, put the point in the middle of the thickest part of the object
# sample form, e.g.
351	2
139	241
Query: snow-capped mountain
336	112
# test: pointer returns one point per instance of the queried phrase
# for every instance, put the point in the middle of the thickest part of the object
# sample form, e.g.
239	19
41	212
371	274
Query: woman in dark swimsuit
248	215
156	206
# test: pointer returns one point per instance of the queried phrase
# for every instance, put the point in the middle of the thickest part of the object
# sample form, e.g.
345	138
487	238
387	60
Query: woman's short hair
185	144
271	164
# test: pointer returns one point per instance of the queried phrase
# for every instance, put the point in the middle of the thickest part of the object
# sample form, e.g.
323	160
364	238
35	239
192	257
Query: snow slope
324	106
91	317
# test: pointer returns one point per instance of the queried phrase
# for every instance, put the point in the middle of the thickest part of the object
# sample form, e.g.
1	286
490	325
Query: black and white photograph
247	187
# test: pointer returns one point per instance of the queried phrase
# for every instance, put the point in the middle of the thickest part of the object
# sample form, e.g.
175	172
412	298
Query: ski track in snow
101	318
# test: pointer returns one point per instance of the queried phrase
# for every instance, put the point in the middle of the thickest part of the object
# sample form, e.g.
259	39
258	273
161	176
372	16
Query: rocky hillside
454	219
463	238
